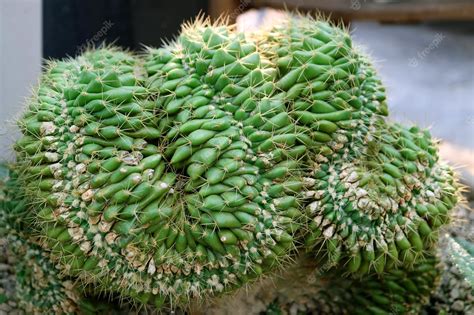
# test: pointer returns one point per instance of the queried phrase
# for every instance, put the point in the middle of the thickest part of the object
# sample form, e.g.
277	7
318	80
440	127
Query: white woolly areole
51	156
47	128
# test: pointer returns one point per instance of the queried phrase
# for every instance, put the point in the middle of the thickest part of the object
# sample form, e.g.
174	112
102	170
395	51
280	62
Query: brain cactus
306	288
196	167
401	291
36	286
32	284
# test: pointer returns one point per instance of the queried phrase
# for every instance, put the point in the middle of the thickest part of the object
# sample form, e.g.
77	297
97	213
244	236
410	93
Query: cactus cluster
462	256
193	169
434	286
455	292
37	287
32	284
401	291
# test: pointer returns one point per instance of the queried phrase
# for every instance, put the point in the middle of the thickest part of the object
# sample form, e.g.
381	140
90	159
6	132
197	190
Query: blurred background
423	49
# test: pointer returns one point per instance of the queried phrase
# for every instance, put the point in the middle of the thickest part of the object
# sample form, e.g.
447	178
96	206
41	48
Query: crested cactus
32	284
378	194
118	194
203	164
38	288
305	288
402	291
384	208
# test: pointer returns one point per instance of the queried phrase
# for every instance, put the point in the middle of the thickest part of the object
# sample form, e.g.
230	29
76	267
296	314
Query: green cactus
38	287
462	255
378	193
402	291
107	199
204	164
454	294
32	284
380	208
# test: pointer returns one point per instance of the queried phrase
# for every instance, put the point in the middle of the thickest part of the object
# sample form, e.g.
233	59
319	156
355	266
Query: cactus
462	255
383	209
402	291
305	288
123	196
378	193
199	166
32	284
38	288
454	294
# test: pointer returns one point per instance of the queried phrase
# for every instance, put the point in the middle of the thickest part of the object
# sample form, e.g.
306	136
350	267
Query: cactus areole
194	168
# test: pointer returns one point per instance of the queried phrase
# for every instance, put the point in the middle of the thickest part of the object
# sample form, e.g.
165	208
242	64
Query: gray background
20	63
429	82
